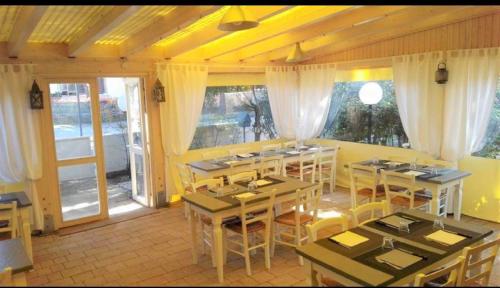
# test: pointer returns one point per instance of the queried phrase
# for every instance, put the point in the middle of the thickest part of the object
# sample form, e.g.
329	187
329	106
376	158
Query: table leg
26	231
457	200
219	250
194	235
311	274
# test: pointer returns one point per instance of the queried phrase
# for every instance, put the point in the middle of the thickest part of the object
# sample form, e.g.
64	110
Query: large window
349	119
491	148
233	115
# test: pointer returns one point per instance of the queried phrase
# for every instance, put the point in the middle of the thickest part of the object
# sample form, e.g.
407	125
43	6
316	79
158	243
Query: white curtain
20	153
299	97
185	87
469	97
282	84
420	100
316	83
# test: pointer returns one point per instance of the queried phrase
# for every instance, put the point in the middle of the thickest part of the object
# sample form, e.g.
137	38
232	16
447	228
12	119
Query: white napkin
413	172
444	237
245	155
398	259
293	152
244	195
262	182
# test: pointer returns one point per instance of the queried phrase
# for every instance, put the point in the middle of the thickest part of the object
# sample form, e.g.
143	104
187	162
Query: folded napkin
413	172
244	195
444	237
245	155
393	163
349	239
398	259
262	182
231	162
394	220
293	152
304	147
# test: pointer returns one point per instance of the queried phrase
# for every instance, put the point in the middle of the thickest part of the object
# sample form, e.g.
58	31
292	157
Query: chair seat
402	201
252	227
367	192
297	172
329	282
289	218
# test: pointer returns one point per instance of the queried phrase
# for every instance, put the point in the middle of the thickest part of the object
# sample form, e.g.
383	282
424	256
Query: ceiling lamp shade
237	18
296	55
370	93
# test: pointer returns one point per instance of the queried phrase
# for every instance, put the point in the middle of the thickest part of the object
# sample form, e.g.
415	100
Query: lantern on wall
36	96
158	92
441	73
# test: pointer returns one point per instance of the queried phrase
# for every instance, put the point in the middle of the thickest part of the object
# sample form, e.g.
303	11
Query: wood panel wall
477	32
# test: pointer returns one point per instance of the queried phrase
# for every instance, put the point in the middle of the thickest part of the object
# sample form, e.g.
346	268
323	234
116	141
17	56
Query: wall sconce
158	92
36	96
441	74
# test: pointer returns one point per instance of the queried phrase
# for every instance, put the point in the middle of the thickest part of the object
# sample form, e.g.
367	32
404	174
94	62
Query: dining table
23	210
13	254
219	205
368	263
433	179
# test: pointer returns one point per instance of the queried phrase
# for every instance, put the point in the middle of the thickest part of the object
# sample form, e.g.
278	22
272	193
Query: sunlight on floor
124	208
78	206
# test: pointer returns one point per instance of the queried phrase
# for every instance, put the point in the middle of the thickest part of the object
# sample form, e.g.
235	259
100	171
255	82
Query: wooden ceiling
190	34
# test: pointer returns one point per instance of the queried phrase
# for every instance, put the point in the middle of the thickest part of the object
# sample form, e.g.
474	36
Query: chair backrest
327	157
271	147
9	218
307	162
313	228
307	201
208	183
402	159
371	207
482	265
215	154
6	277
290	144
362	176
243	176
451	270
270	165
242	165
392	179
259	208
185	174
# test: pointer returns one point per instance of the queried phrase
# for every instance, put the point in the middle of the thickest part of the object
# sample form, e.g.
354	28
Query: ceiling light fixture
296	55
237	18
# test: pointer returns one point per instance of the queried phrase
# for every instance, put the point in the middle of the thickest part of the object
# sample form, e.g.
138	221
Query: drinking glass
388	243
251	186
438	224
434	171
375	160
413	165
404	226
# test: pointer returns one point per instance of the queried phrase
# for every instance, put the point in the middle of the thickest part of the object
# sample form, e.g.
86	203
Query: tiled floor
155	250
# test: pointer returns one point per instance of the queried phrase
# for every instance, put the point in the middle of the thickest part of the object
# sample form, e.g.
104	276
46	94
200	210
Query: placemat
272	180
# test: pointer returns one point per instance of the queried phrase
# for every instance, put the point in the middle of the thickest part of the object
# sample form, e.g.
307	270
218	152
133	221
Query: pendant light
237	18
296	55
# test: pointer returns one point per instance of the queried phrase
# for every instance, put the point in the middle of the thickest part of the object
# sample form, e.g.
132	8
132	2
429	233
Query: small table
23	211
218	208
14	255
449	179
356	266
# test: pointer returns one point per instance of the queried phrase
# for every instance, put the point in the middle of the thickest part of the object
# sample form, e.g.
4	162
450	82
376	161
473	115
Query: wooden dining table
13	255
446	179
357	265
219	207
23	211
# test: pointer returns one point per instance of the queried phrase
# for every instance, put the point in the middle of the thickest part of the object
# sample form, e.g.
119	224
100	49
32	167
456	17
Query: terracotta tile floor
155	250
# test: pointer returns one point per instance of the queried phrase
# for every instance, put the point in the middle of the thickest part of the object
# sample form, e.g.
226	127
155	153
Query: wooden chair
8	221
306	167
327	163
270	165
305	211
364	184
242	166
187	177
443	199
290	144
215	154
451	271
251	223
478	273
205	221
404	198
369	207
312	235
6	277
243	176
271	147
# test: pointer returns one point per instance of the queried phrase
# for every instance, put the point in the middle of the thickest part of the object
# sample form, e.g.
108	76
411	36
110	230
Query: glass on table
375	160
438	224
387	242
413	165
252	186
404	226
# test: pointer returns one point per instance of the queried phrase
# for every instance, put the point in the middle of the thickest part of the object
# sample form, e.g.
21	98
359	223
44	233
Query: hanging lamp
296	55
237	18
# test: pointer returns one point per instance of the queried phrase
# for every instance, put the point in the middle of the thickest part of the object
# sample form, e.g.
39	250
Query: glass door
78	151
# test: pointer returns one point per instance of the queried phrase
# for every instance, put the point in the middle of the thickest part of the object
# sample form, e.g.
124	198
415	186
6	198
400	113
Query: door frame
98	158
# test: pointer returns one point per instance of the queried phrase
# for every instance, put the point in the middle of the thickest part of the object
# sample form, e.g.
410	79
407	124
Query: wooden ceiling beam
212	33
106	24
178	18
333	23
28	18
273	26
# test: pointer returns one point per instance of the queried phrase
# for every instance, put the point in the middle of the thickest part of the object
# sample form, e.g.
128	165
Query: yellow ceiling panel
196	26
8	16
140	20
60	24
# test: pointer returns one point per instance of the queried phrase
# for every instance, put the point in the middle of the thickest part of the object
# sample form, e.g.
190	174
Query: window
491	147
233	115
349	119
